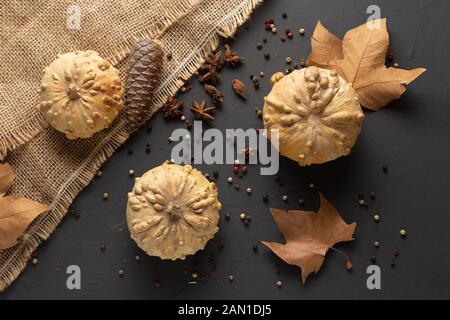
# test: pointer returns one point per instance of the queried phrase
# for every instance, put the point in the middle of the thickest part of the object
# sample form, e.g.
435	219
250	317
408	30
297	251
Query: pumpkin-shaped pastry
81	94
317	115
173	211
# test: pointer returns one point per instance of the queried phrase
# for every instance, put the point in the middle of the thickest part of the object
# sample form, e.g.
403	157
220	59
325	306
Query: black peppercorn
265	198
385	168
267	55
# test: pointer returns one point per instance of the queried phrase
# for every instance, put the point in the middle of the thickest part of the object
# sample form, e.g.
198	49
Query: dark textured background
411	136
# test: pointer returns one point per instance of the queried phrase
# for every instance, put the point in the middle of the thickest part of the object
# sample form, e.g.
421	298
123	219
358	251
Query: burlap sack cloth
50	168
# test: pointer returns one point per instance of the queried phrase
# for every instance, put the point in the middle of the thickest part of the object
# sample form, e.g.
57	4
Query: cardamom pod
239	88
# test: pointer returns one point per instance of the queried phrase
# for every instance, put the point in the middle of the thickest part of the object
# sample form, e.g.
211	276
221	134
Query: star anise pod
232	58
210	76
215	94
211	68
172	108
212	62
202	111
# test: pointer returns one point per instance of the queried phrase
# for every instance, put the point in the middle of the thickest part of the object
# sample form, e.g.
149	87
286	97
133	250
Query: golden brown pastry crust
317	114
81	94
173	211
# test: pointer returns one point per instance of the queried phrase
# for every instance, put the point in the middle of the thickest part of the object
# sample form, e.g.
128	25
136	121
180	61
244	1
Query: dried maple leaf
16	213
201	111
172	108
360	59
309	235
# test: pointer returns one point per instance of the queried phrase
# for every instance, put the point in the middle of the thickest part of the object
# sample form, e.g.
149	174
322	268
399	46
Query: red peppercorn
244	169
283	38
290	35
390	56
267	26
236	169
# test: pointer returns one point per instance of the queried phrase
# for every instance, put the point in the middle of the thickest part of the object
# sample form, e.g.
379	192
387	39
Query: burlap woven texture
50	168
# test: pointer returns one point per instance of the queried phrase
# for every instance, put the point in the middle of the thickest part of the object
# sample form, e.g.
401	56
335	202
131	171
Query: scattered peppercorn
221	244
390	56
249	190
372	195
396	253
137	258
301	31
301	201
255	248
284	15
216	174
259	46
265	198
103	248
237	186
360	195
376	217
34	261
121	272
194	275
385	168
231	277
148	148
373	259
279	284
403	232
396	65
290	35
242	216
376	244
274	30
99	173
283	38
288	60
264	40
284	198
227	216
130	172
106	196
267	55
230	180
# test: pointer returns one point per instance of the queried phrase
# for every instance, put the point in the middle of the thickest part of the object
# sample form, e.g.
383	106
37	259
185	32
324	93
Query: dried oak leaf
201	111
16	213
172	108
215	94
309	235
360	59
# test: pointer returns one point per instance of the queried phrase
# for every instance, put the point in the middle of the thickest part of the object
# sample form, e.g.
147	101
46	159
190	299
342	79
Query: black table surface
410	136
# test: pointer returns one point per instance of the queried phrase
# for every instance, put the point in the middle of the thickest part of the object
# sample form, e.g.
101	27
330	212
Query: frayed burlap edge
46	224
10	141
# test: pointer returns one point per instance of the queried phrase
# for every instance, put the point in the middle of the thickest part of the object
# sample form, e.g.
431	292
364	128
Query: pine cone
144	70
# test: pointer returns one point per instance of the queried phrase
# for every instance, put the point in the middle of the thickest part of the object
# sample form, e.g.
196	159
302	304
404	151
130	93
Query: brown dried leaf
239	88
6	178
16	213
309	235
360	59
